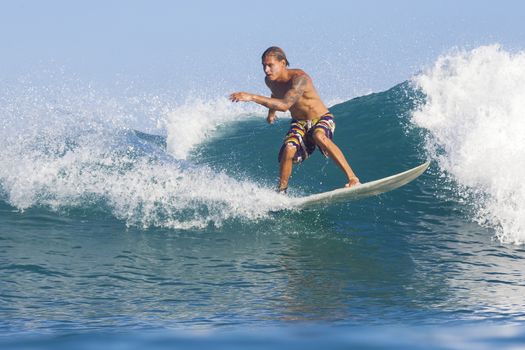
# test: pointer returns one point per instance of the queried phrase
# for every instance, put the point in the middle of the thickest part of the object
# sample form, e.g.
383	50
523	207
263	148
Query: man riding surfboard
312	123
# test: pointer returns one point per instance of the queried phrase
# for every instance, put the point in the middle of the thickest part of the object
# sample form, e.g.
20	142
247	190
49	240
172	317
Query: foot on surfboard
282	190
354	181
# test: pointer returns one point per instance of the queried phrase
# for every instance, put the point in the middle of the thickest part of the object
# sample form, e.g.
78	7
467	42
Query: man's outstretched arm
278	104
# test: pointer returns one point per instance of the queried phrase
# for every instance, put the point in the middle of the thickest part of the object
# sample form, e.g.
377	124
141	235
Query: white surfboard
365	190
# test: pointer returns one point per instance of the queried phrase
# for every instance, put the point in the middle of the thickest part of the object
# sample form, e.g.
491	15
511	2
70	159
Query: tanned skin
293	90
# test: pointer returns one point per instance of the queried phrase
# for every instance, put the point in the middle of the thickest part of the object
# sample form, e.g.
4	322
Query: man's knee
320	137
289	151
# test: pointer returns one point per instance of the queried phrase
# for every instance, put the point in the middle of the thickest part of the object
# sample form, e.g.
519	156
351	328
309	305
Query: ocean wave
64	149
196	121
474	116
204	161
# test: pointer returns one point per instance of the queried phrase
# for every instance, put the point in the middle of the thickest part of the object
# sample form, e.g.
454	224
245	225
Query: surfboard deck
368	189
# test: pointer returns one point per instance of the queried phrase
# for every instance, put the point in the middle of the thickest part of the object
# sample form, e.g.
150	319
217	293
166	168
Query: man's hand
241	96
271	116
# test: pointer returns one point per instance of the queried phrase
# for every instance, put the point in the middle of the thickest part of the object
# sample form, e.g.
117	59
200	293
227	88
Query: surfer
312	123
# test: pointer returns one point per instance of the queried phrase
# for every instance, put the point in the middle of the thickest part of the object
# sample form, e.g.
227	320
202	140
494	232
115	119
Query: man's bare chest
280	90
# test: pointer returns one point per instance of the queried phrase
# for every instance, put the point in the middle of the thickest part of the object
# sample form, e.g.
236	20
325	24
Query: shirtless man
312	124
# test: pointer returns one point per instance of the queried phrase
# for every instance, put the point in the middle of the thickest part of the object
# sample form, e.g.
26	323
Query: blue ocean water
128	223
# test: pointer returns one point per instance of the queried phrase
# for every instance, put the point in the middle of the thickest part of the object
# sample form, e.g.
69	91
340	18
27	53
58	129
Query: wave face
474	115
207	161
217	161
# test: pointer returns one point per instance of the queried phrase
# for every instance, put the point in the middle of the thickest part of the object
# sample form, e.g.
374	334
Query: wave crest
69	148
474	114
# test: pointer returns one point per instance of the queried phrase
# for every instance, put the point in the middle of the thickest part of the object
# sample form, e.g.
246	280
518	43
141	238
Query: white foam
195	121
475	115
64	148
139	191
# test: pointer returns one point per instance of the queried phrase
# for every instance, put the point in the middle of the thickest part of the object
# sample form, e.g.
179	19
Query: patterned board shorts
301	136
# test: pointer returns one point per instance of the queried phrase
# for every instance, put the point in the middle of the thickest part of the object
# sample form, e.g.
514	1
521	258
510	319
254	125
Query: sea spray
475	115
196	120
65	147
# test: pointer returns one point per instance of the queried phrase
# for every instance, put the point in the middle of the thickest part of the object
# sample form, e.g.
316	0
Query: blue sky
207	47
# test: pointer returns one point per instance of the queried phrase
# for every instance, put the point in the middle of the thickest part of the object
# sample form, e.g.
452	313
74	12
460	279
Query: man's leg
285	168
330	148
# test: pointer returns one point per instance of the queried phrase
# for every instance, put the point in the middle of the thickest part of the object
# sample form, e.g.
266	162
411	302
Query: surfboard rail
368	189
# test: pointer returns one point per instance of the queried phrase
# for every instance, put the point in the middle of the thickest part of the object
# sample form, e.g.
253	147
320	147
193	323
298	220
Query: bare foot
354	181
282	190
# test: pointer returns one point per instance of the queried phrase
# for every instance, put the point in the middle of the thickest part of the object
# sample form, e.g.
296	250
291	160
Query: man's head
274	62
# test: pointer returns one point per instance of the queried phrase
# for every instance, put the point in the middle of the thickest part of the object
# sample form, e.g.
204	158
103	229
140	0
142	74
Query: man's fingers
234	97
239	96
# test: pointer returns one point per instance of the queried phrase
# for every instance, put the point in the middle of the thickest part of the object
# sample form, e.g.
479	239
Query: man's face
273	67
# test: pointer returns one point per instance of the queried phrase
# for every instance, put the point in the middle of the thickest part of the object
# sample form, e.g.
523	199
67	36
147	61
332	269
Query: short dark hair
277	52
